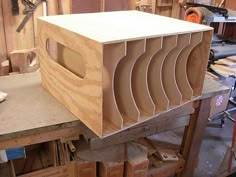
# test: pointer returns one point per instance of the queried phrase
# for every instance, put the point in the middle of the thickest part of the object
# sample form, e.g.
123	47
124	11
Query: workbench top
31	109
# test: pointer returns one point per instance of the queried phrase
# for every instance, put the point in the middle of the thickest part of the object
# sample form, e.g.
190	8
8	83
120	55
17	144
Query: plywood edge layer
139	77
62	83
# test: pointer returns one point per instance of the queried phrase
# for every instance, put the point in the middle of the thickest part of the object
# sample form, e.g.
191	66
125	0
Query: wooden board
103	85
3	49
113	29
197	63
110	169
68	170
86	168
15	40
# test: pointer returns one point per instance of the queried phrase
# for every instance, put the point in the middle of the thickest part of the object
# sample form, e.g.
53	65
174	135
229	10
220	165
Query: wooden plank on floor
15	40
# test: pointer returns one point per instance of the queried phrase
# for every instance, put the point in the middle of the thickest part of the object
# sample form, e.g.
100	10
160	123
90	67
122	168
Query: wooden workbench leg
193	136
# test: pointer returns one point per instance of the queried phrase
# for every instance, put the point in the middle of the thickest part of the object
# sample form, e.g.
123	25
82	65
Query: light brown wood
64	7
67	170
156	89
14	40
86	168
168	70
52	9
113	53
175	13
181	67
4	68
24	61
227	62
110	169
90	94
140	75
122	85
3	49
197	63
90	97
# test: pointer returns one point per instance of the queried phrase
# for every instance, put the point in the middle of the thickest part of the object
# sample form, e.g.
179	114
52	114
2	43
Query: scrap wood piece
226	62
137	164
4	68
167	154
223	70
86	168
111	169
24	61
232	58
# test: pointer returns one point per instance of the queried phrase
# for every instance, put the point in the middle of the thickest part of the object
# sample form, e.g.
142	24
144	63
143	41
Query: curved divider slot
112	54
122	82
168	70
197	63
155	85
181	67
139	78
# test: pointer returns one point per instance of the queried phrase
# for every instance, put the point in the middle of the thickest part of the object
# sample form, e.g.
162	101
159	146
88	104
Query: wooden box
116	69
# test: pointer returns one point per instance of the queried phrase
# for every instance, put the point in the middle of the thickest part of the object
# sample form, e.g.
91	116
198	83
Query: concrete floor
213	150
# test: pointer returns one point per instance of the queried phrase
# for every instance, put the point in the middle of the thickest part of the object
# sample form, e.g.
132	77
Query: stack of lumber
225	67
121	74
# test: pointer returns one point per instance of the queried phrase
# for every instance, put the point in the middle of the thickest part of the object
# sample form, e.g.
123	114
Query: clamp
28	11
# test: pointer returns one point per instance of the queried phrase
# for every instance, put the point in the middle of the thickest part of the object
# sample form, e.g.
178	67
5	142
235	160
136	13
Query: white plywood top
109	27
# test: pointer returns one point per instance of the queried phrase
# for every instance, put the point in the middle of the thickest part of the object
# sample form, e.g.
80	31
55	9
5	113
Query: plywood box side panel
112	54
181	67
82	96
197	63
122	84
168	70
155	84
139	77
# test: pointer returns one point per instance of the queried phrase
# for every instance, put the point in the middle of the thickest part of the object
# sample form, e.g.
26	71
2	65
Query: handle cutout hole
66	57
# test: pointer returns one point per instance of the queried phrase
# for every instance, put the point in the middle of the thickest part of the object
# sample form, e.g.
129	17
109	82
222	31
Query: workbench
30	115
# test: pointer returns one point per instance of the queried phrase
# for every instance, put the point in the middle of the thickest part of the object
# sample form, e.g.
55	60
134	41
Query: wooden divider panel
139	77
168	70
155	74
181	67
197	63
64	84
123	91
112	54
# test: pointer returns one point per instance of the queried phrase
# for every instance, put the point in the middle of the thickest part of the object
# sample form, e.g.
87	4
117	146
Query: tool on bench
28	11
